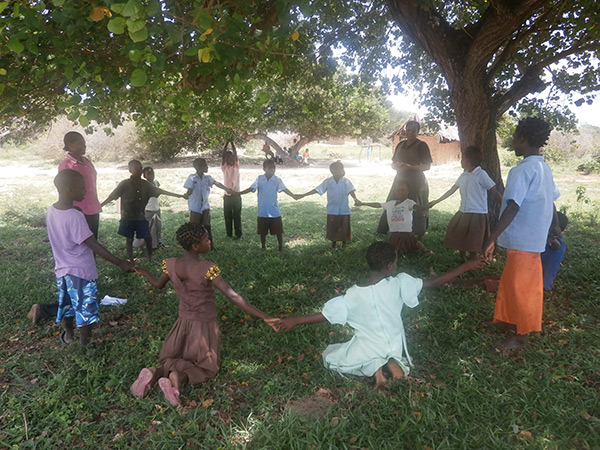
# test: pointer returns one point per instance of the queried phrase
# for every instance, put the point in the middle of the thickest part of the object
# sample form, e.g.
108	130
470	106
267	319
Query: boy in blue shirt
338	187
198	189
267	187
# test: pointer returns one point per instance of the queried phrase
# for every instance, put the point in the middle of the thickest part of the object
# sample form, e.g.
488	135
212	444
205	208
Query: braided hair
189	234
534	130
380	255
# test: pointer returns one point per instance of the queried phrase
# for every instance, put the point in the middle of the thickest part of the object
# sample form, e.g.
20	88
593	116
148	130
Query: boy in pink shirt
73	247
232	204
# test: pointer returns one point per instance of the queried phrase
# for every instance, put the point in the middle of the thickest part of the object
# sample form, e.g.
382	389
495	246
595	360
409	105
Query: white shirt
473	187
399	217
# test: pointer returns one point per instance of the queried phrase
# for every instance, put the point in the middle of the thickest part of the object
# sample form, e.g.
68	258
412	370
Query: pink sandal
141	386
171	394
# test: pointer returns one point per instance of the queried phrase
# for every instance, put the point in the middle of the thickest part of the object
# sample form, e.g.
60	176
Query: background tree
474	60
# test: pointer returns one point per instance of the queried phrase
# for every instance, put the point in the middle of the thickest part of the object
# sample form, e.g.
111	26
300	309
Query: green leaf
3	71
3	5
118	7
140	35
135	25
83	121
116	25
138	78
58	2
73	115
15	45
153	8
135	55
132	8
236	78
75	99
192	51
92	113
2	86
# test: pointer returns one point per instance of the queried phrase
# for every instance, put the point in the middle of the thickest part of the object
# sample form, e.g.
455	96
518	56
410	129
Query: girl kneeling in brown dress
191	352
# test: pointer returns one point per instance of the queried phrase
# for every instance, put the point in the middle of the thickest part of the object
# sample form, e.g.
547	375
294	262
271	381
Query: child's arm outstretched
448	193
158	283
171	194
440	280
222	186
240	301
311	192
115	194
101	251
290	322
291	194
357	202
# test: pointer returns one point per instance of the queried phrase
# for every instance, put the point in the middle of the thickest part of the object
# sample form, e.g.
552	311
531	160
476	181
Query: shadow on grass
462	394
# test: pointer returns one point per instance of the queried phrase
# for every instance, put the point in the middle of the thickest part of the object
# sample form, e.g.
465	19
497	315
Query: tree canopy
471	60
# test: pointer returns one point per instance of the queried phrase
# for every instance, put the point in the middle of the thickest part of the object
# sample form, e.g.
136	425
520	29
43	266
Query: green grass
462	393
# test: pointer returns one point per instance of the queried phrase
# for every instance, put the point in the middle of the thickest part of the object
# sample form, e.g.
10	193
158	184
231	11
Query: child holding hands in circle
374	310
469	228
191	352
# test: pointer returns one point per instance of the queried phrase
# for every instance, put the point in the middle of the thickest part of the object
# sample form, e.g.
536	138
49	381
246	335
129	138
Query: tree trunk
476	117
295	149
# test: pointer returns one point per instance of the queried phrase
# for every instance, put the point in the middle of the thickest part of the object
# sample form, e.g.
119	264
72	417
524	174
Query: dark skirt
338	228
405	242
194	348
467	232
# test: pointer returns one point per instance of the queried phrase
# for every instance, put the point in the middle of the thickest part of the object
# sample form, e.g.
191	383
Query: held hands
488	251
281	324
357	202
273	322
476	264
141	271
185	196
126	266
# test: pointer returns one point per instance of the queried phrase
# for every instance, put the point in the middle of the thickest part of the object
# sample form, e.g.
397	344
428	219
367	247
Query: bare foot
145	380
171	394
512	343
379	378
395	369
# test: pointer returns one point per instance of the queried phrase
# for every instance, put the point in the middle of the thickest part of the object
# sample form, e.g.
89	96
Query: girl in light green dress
374	311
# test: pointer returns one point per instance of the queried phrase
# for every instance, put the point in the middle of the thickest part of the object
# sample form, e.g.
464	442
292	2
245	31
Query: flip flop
62	337
141	386
171	394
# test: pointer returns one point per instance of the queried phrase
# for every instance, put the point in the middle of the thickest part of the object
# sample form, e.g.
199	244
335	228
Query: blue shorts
141	228
77	298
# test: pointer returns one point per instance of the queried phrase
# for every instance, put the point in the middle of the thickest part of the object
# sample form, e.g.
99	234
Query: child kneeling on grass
191	353
374	311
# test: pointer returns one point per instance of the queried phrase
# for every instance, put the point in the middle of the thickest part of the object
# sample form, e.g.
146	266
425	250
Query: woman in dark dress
411	159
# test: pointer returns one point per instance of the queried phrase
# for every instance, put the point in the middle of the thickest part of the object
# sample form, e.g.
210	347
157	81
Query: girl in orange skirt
527	213
191	353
